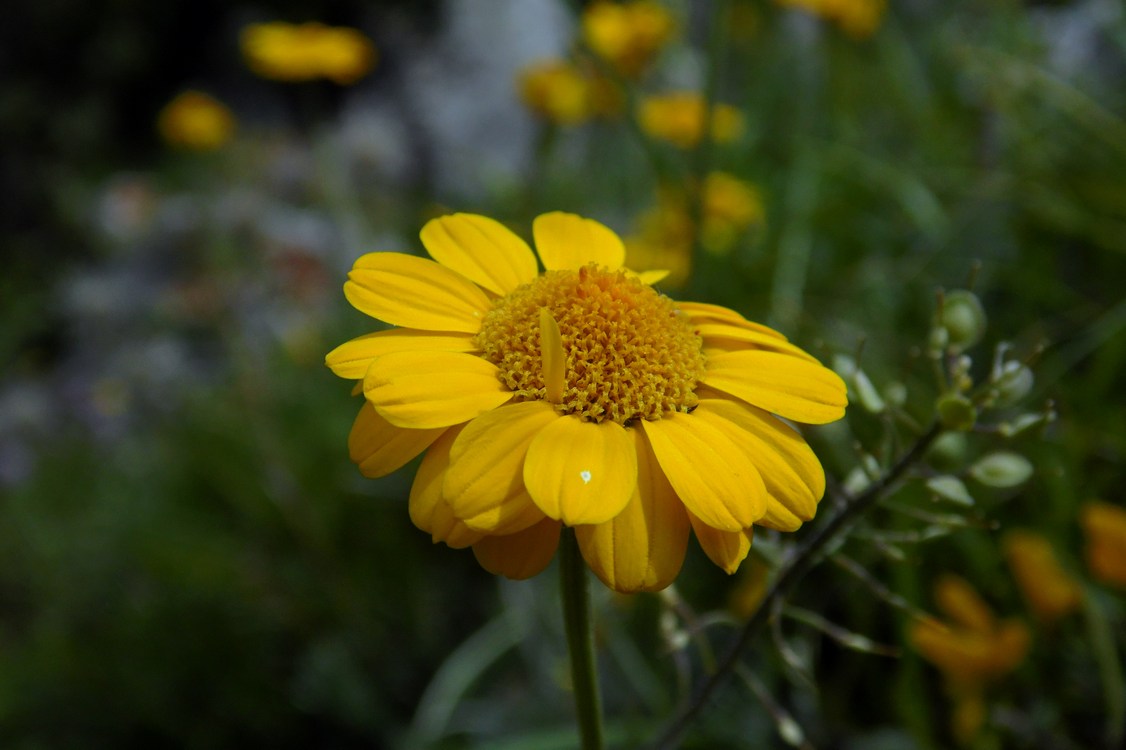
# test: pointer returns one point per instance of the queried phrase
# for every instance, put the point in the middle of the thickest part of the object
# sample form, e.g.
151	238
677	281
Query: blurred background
189	559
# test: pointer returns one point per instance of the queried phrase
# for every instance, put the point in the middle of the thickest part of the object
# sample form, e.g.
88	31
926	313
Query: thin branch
788	576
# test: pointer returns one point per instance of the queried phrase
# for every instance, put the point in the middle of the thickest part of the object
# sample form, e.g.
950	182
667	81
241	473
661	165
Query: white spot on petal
585	474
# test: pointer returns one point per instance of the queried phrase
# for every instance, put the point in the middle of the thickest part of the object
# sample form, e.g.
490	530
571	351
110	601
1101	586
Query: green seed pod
1013	383
963	317
956	412
1002	470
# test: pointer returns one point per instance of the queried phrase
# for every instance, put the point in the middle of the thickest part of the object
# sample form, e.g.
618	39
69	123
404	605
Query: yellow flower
578	396
627	35
679	119
857	18
971	650
556	90
194	120
664	234
1105	528
1049	590
304	52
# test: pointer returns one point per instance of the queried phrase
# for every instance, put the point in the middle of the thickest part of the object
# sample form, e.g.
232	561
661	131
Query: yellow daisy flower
556	90
197	121
1104	526
1051	592
679	119
577	396
289	52
627	35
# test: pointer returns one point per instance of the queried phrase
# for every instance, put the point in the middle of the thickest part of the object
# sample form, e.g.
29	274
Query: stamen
552	357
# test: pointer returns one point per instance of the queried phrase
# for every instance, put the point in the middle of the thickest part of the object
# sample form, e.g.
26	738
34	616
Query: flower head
194	120
556	90
1105	527
577	396
1049	590
971	649
679	119
627	35
305	52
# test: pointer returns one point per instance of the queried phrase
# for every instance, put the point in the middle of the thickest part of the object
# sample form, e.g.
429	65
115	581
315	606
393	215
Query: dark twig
789	574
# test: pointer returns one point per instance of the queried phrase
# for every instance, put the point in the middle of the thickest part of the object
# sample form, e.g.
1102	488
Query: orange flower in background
557	91
627	35
1105	528
679	119
857	18
972	648
577	396
194	120
1049	590
305	52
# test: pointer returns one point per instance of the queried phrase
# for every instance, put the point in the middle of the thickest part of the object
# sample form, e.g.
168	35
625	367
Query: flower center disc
630	354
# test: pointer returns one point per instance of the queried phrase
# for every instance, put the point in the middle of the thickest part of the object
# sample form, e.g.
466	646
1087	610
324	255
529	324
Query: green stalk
577	620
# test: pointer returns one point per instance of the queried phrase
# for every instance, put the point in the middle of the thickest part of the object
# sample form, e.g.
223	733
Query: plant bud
963	317
956	412
1013	383
1002	470
948	452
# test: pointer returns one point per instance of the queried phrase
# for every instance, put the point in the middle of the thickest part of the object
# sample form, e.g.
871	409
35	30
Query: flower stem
576	618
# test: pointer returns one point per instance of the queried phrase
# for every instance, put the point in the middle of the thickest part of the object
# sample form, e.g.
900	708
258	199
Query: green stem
576	618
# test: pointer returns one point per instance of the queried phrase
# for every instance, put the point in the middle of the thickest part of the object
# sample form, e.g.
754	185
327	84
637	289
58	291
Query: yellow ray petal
485	485
790	387
734	338
352	358
727	549
379	447
480	249
581	472
520	555
428	510
642	548
961	603
420	390
715	478
791	472
566	242
415	293
649	278
702	312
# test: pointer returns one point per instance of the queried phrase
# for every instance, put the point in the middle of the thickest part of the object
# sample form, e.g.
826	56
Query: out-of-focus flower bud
950	488
963	317
948	452
1013	383
1002	470
956	412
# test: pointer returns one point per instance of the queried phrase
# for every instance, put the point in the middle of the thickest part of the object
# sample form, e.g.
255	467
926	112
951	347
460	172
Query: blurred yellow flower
664	234
971	649
679	119
857	18
579	396
304	52
1105	528
1049	590
627	35
557	91
196	121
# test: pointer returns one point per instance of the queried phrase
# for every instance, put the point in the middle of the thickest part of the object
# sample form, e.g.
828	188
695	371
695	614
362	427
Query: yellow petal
567	242
415	293
727	549
734	338
649	278
553	359
352	358
485	484
581	472
421	390
787	386
520	555
714	477
428	510
790	470
962	604
379	447
702	312
480	249
642	548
